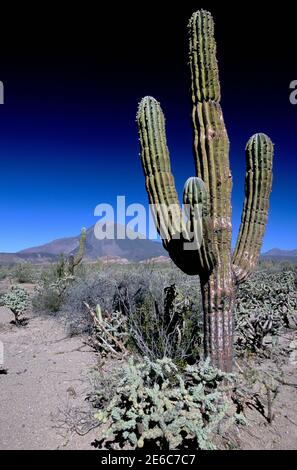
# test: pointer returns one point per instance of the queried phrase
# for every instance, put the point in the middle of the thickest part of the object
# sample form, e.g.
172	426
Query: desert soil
43	394
280	374
44	390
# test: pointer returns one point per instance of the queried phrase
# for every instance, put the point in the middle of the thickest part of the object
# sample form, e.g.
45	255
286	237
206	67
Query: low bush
162	308
3	273
49	293
24	273
168	328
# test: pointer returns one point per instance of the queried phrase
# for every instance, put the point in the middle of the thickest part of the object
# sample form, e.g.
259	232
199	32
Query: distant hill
277	253
37	258
131	250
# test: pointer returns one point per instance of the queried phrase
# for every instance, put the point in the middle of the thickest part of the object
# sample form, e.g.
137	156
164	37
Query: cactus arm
162	192
258	184
61	266
82	241
155	160
197	207
205	85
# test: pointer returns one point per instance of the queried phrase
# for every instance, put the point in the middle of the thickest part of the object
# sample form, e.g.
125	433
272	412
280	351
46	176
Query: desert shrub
53	284
163	312
46	300
4	271
265	303
24	273
18	300
168	328
276	266
156	405
93	289
49	293
162	308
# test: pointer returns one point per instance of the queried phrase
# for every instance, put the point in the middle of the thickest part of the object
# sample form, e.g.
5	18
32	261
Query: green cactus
210	191
74	261
67	269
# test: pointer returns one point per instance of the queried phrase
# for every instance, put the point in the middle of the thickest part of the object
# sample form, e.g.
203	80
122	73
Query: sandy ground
45	387
281	433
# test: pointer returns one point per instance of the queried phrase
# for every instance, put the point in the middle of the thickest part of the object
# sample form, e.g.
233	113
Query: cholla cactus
154	404
265	303
18	300
110	335
210	190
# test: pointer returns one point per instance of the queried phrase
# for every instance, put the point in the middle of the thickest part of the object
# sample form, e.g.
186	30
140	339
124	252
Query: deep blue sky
68	138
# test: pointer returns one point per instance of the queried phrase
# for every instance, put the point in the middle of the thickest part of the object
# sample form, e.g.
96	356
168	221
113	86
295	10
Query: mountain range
125	250
277	253
131	250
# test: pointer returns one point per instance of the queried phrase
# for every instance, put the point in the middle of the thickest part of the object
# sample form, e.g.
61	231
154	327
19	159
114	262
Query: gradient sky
72	80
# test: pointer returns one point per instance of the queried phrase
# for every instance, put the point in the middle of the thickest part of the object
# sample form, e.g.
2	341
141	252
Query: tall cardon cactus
220	271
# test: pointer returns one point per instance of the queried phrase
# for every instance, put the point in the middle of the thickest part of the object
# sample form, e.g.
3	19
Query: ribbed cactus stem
211	153
258	184
203	60
156	166
211	191
197	207
82	241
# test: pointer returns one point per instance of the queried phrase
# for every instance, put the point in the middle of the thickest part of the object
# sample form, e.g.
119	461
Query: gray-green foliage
264	304
24	272
52	288
18	300
139	295
54	282
154	404
168	328
110	334
158	305
48	296
4	271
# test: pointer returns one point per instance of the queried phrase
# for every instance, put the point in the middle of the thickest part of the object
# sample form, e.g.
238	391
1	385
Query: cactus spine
212	260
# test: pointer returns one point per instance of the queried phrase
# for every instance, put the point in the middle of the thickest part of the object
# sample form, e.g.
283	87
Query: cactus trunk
218	296
210	192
